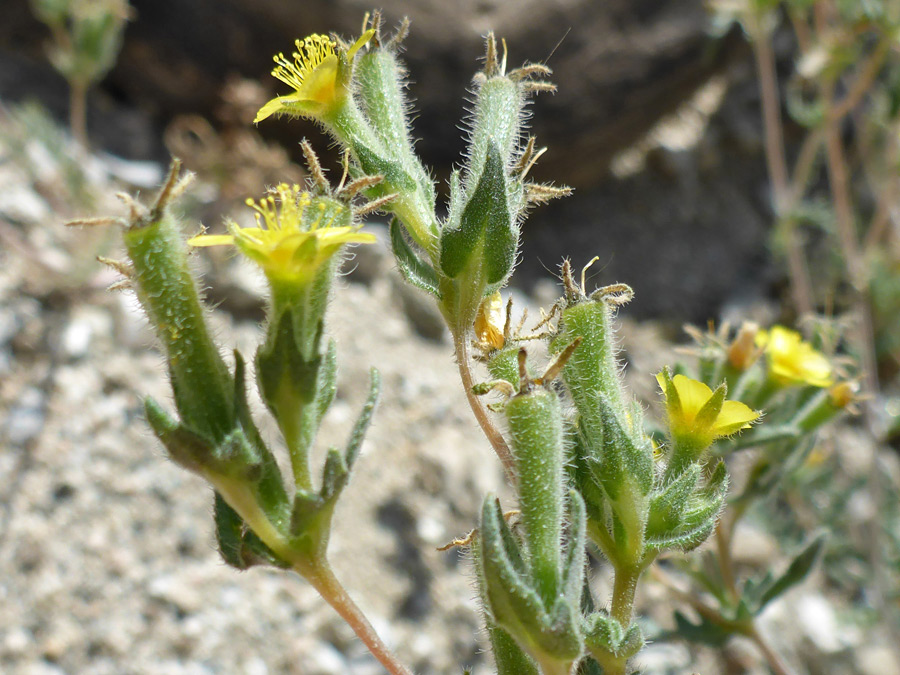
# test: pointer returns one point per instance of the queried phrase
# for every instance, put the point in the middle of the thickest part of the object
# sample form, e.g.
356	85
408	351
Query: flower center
311	52
282	210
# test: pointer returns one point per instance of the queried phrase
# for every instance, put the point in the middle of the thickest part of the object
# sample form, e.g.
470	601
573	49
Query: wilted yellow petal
490	320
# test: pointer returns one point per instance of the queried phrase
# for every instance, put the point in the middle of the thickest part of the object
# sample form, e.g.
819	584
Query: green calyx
202	386
614	462
549	632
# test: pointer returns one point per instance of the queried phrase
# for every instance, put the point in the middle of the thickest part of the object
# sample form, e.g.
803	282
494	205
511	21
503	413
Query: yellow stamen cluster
319	75
295	234
311	52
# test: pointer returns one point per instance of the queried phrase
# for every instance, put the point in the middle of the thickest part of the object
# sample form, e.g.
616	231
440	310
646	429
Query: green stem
604	541
319	574
778	666
354	131
557	668
615	666
801	287
463	361
315	570
723	551
624	588
240	497
293	428
78	111
550	667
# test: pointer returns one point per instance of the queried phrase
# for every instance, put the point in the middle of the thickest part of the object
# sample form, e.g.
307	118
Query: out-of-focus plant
799	389
87	37
844	183
587	473
227	153
836	196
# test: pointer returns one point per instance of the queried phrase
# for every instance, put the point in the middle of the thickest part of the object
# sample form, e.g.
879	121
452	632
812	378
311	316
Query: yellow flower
793	361
319	75
698	415
296	233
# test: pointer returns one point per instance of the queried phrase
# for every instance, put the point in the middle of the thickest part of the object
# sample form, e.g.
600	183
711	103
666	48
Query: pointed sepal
416	271
545	633
608	641
486	238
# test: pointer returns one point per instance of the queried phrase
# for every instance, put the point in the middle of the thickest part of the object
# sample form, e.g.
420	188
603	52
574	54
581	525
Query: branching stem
782	196
326	583
78	112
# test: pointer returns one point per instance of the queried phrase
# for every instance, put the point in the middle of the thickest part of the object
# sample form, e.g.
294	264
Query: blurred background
705	143
621	68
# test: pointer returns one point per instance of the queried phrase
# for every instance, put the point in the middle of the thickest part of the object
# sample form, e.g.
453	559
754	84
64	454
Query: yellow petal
269	109
319	84
794	361
661	379
693	395
363	39
733	417
211	240
347	235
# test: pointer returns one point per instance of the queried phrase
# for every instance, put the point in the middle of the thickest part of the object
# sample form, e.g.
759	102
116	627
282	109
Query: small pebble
26	417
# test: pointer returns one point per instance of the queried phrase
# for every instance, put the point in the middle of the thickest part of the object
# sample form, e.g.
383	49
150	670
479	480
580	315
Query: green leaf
589	667
698	517
229	531
326	385
576	552
668	503
508	656
185	447
415	270
704	633
269	488
796	572
513	602
608	641
238	545
364	419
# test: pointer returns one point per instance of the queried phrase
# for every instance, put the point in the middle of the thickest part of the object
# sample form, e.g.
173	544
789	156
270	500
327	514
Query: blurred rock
21	204
367	262
86	325
877	660
752	546
25	419
419	308
619	65
820	624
